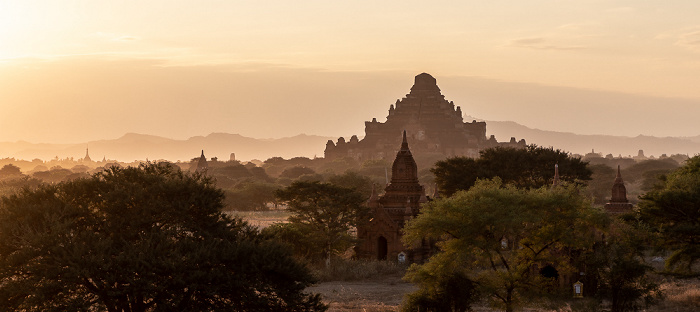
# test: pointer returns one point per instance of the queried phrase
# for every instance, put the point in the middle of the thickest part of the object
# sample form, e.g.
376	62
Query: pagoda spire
619	191
404	143
202	164
87	154
556	181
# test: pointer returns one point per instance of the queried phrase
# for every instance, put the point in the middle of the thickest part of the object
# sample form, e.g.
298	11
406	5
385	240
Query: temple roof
404	168
425	82
619	191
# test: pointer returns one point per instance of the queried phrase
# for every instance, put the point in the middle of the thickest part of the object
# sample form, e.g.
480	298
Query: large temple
380	238
433	124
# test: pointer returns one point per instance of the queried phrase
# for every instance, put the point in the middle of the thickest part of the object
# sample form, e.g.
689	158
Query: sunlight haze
73	71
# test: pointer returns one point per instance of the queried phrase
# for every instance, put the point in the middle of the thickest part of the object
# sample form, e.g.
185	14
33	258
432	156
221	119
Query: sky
74	71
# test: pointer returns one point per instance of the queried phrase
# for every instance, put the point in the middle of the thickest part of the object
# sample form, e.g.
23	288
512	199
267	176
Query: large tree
500	237
529	167
673	212
150	238
616	271
325	212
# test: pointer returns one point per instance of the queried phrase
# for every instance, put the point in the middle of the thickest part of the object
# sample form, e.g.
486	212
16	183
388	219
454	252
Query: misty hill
134	146
605	144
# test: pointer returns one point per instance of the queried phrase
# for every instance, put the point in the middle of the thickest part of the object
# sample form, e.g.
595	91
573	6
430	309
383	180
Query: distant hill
133	146
605	144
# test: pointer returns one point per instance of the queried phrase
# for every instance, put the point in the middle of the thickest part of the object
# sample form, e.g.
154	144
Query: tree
617	265
10	171
295	172
442	287
353	180
150	238
327	211
673	211
500	236
251	195
530	167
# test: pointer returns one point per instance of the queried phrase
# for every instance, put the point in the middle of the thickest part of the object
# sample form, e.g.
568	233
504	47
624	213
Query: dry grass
681	295
377	294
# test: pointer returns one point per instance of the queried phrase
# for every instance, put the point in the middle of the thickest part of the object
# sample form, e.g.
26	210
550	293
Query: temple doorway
382	248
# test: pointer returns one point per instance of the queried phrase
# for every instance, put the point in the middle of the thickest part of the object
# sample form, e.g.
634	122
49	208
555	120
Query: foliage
296	172
499	234
10	171
327	211
618	265
442	286
673	211
601	182
530	167
302	241
57	174
353	180
11	186
638	171
150	238
251	196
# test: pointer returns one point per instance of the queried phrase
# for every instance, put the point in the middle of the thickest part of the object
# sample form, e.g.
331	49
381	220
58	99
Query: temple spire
202	164
556	181
404	143
618	177
87	154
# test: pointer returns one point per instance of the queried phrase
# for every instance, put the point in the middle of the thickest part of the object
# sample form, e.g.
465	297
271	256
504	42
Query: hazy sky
72	71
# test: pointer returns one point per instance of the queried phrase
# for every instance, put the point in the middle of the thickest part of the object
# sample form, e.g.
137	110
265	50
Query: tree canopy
530	167
150	238
495	235
673	211
325	213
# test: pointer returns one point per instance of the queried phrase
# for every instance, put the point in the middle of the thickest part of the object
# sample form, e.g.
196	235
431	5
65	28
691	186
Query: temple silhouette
433	126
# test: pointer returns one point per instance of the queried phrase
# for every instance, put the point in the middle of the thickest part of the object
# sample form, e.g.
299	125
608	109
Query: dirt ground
375	295
369	295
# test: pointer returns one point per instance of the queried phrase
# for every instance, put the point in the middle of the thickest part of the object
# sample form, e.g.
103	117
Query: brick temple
380	238
618	203
433	126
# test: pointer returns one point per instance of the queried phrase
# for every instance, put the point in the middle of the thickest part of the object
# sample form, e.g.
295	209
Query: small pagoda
618	203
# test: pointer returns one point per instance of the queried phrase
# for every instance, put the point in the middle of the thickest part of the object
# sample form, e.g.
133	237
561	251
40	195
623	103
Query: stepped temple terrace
433	125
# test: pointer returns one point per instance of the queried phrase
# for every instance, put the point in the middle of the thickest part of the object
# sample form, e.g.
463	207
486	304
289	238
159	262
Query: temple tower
618	203
381	236
87	155
556	179
202	164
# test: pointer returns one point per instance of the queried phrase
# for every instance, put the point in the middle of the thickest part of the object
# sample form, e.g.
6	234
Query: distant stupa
87	155
202	164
